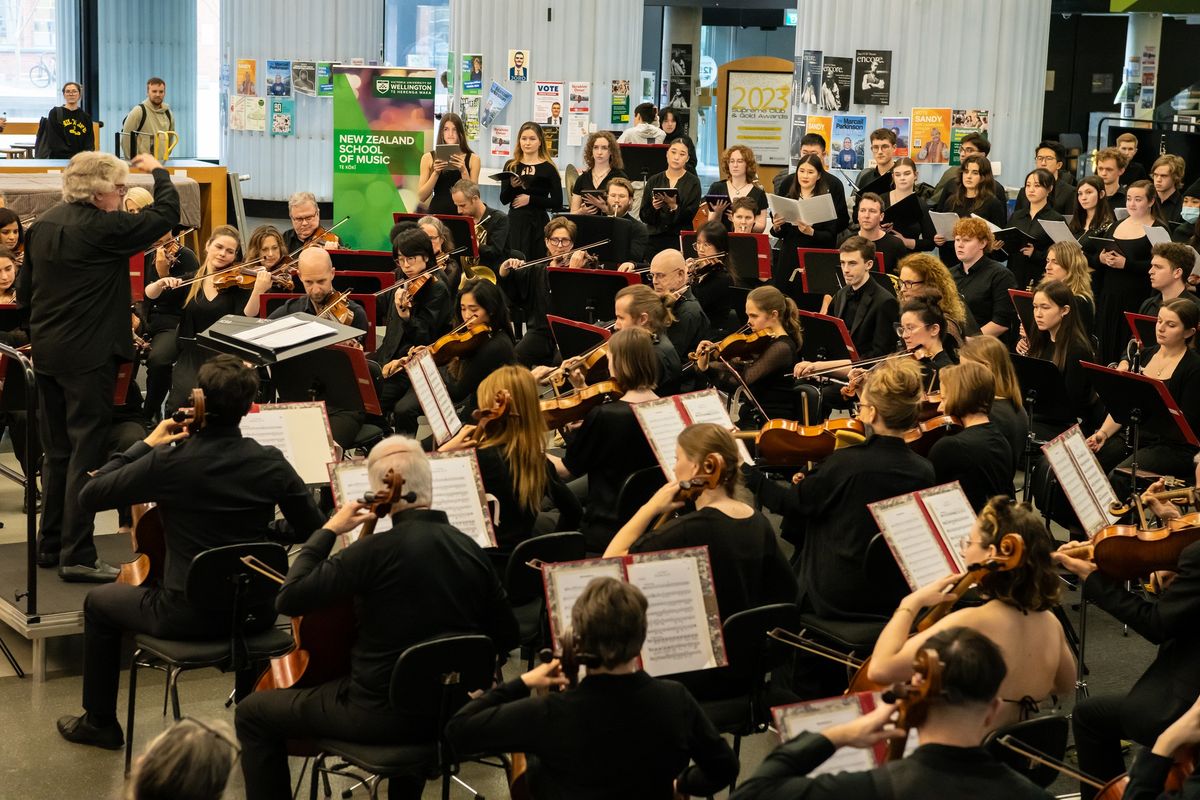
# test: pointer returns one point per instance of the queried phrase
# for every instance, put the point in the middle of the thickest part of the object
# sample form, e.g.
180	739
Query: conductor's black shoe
80	731
81	573
46	562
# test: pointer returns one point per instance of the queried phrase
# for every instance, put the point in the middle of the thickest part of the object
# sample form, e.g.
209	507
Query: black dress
769	379
663	224
790	238
585	181
755	195
198	316
517	519
526	225
1123	290
440	202
1029	269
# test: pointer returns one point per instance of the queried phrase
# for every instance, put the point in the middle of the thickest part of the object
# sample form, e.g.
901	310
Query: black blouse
755	195
663	222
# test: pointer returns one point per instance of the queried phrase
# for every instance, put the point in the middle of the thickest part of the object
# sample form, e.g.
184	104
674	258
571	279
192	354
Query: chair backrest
752	654
1046	735
214	574
431	679
881	568
524	584
639	487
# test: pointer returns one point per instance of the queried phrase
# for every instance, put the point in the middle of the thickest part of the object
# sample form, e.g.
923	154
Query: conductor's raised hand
145	162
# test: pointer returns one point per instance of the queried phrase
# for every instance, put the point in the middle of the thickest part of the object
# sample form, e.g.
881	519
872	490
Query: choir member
533	192
438	177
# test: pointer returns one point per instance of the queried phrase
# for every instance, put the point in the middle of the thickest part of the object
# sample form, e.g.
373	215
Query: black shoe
81	573
47	562
80	731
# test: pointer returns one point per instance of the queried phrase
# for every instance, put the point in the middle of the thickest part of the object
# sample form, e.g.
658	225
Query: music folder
1023	302
436	403
880	186
505	176
683	623
816	715
712	199
1125	393
1130	248
1082	479
922	530
944	222
1057	230
904	213
811	211
263	342
1142	327
289	427
664	419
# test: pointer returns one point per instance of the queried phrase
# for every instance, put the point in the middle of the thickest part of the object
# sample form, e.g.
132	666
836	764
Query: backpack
142	123
41	147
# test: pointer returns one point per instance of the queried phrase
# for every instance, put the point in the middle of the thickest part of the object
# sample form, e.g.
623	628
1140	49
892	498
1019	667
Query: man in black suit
869	310
75	283
1168	686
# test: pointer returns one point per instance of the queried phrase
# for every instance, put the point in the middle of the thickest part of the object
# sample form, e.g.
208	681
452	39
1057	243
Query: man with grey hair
306	218
75	283
420	580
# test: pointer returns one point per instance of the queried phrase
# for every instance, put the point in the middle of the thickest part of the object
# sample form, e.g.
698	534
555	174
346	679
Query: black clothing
516	519
529	289
985	290
626	736
1134	171
1172	208
526	225
979	458
639	238
664	225
303	304
1122	290
164	312
292	241
1079	389
994	210
1062	197
1148	777
691	324
199	314
66	133
1029	269
756	195
670	366
712	292
1013	425
440	202
891	250
921	232
585	180
824	234
870	314
769	378
933	770
826	518
428	320
1154	302
608	447
748	568
691	148
495	247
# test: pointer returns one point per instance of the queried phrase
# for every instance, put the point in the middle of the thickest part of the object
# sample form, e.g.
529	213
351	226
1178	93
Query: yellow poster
247	77
930	136
823	126
756	114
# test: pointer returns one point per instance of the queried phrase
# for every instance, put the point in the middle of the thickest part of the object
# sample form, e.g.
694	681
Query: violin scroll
192	418
913	698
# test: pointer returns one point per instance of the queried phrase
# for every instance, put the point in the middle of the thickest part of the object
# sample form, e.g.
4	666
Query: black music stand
826	338
337	374
462	228
362	260
747	251
644	160
575	338
222	336
1023	302
592	228
586	295
1043	391
820	271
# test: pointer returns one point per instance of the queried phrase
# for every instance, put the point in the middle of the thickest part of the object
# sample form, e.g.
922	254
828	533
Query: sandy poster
930	140
822	126
247	77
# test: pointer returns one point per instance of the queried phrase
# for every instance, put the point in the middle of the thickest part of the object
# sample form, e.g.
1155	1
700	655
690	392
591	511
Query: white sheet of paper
706	406
662	423
567	581
290	427
815	716
991	226
913	541
677	635
1121	213
458	490
952	516
812	211
430	388
944	222
350	482
282	333
1070	479
1156	235
1057	230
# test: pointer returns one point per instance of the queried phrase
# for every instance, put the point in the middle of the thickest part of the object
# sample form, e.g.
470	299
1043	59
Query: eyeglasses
120	189
966	541
306	218
1045	159
911	284
406	260
560	242
902	330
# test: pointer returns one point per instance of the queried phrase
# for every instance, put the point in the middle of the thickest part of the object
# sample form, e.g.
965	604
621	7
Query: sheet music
944	222
1157	235
677	632
662	423
991	226
434	398
1070	478
1057	230
283	333
812	211
349	482
565	582
458	490
952	516
817	715
706	406
912	540
290	427
1089	467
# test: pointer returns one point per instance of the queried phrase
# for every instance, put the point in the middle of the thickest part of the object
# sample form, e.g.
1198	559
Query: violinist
420	580
949	761
214	487
443	244
513	461
921	272
978	457
137	198
1017	615
265	248
1008	410
1167	688
491	225
983	282
75	283
610	445
306	221
640	307
203	304
749	569
529	288
1148	775
585	739
480	302
669	277
825	514
921	327
12	232
163	315
711	277
437	177
1058	336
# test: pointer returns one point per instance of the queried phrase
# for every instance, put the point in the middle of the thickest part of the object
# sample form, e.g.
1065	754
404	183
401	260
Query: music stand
586	295
336	374
820	271
591	228
137	278
644	159
362	260
1043	391
749	255
1142	327
575	338
222	336
462	228
825	338
1023	302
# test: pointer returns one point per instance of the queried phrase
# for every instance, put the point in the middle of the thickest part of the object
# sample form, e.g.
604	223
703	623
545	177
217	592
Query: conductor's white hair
90	173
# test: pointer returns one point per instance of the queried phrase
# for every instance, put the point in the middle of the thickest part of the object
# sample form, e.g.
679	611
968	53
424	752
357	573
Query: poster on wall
247	113
848	141
382	124
647	86
757	109
962	122
498	98
247	77
472	74
279	78
470	115
548	102
799	128
324	79
501	144
620	102
551	134
821	125
900	127
579	107
809	68
283	116
835	83
518	65
873	77
679	89
930	141
304	77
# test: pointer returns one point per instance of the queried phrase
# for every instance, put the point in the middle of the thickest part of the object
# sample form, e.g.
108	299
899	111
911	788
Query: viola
691	489
743	345
924	435
931	404
486	418
573	407
787	443
700	266
338	309
460	342
914	697
1127	552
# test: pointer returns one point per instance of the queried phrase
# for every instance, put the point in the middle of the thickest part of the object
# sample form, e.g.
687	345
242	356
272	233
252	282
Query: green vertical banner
382	124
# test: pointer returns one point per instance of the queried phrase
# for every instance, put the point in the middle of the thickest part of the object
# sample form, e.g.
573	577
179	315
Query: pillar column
1144	31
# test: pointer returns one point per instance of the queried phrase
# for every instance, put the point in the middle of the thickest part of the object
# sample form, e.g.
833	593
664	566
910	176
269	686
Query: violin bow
266	570
570	252
230	268
309	243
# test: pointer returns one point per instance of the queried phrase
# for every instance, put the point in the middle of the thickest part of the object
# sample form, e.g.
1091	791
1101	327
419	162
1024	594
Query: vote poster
810	74
518	65
964	121
848	143
472	74
283	116
823	127
835	83
757	107
247	77
930	136
873	77
900	126
548	102
279	78
304	77
382	124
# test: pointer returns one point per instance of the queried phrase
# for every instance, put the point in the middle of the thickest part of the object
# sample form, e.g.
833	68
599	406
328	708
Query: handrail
30	594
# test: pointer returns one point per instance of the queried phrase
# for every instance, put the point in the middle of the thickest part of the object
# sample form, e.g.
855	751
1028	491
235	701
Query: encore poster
382	124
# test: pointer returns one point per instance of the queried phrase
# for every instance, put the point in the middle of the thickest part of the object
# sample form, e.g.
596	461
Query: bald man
668	275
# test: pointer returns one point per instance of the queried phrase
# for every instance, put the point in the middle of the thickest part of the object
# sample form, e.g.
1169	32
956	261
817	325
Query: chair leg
166	691
133	670
173	681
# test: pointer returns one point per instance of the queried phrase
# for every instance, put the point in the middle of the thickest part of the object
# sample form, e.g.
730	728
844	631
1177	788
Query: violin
924	435
321	237
486	418
700	266
338	309
460	342
787	443
561	411
1127	552
690	489
245	278
744	344
593	364
571	252
914	697
324	638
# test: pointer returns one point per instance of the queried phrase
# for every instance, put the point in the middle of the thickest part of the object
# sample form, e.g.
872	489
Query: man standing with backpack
146	120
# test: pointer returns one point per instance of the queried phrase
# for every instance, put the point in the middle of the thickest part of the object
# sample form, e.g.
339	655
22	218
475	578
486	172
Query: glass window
208	77
33	43
417	34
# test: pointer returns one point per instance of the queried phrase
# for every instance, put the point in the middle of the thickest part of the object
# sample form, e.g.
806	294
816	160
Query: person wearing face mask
1188	230
1028	261
668	214
918	233
68	128
973	193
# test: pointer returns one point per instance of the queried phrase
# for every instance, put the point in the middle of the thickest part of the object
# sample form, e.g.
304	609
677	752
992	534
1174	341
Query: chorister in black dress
543	186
